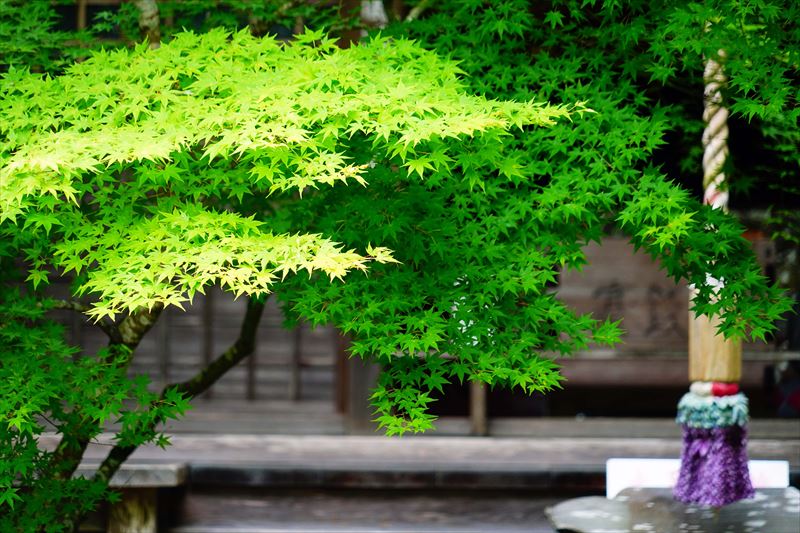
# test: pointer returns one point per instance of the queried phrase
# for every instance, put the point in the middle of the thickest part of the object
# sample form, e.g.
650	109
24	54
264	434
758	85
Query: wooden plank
650	371
142	475
599	427
363	376
327	511
622	284
433	453
331	511
208	336
295	364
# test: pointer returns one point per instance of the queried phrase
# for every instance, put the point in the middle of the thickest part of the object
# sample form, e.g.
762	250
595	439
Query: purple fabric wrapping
714	466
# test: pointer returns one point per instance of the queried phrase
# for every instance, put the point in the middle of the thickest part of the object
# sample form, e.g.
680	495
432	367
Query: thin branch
397	9
71	305
418	10
46	419
131	330
70	450
106	325
244	346
123	340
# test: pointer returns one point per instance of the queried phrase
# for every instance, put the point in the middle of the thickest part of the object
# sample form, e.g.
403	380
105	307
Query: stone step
259	461
269	511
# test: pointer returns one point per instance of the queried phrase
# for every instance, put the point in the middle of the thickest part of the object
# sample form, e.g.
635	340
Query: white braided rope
715	135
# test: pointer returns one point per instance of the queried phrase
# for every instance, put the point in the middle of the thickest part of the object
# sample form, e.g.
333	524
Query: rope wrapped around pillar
715	135
713	414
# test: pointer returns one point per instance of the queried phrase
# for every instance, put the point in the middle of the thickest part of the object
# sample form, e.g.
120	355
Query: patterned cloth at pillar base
714	468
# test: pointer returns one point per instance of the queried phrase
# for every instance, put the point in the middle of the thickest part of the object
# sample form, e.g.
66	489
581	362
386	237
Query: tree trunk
149	21
244	346
68	454
373	14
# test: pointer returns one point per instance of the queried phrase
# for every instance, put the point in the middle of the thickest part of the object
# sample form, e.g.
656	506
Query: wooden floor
306	417
288	467
434	453
319	418
517	446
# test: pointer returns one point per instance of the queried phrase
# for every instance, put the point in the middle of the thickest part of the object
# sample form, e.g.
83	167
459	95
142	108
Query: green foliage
29	37
262	16
203	122
481	243
45	385
149	175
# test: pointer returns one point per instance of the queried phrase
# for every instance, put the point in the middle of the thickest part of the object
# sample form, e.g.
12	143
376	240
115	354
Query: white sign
663	473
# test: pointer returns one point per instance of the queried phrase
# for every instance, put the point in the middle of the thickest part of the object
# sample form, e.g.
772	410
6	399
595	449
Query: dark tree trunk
244	346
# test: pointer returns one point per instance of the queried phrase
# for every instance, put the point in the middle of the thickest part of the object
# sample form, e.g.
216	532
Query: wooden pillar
711	356
252	371
478	416
362	378
340	343
164	346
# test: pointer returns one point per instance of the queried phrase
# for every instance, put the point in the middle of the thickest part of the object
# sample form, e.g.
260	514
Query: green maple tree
148	176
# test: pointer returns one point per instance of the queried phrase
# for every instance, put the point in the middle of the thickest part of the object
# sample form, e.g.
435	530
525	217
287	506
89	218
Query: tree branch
417	10
69	452
134	327
244	346
71	305
106	325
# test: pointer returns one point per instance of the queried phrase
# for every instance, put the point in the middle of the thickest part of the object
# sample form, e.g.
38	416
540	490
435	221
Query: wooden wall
287	364
621	284
302	364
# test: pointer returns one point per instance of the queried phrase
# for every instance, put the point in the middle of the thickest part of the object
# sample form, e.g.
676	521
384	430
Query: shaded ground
365	511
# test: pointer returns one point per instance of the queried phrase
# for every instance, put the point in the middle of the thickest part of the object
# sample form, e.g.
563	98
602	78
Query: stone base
655	510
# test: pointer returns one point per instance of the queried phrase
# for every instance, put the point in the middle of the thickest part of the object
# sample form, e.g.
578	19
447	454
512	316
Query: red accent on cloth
724	389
